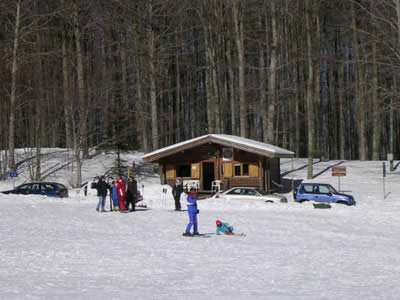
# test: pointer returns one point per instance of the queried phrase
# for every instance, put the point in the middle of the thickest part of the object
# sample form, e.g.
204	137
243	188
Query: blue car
321	192
52	189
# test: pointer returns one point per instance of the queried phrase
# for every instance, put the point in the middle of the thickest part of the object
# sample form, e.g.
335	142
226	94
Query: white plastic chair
216	186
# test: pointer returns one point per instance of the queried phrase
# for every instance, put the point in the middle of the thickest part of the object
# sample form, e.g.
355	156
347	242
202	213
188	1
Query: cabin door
208	175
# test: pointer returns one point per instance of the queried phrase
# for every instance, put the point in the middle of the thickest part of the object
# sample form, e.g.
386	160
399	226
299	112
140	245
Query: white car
251	194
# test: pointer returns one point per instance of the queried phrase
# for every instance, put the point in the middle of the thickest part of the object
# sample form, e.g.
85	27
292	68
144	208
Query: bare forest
318	77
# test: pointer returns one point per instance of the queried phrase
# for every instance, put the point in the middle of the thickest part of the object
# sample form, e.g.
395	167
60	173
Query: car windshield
332	189
61	186
233	192
262	192
24	187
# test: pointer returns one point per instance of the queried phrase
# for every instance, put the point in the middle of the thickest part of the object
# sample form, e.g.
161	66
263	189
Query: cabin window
245	170
237	170
183	171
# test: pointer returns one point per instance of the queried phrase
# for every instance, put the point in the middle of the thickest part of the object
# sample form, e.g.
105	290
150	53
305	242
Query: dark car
52	189
321	192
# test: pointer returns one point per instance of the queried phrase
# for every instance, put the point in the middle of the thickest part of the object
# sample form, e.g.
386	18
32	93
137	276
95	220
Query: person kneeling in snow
224	228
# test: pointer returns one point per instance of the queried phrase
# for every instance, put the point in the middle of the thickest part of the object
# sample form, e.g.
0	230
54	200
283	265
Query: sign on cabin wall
227	154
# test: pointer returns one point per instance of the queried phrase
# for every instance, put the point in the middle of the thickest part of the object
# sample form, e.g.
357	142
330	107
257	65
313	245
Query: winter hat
218	222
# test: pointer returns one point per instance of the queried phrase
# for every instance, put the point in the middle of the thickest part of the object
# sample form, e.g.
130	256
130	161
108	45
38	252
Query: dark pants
177	202
130	199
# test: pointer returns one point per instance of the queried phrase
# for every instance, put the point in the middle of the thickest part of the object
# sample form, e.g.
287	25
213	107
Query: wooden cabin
220	161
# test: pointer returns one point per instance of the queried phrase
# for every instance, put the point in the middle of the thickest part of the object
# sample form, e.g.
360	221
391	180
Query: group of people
193	211
123	195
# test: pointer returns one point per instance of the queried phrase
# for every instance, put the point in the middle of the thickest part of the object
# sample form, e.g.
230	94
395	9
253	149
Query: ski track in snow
64	249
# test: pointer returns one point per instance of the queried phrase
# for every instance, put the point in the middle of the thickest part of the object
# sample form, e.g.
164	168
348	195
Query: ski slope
64	249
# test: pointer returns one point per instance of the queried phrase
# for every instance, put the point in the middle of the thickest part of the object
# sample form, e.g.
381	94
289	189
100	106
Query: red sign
339	171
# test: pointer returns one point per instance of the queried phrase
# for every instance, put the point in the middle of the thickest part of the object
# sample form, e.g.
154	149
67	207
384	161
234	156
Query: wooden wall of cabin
260	170
244	170
194	158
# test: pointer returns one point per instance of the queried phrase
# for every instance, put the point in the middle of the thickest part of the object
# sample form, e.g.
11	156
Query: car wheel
302	200
343	202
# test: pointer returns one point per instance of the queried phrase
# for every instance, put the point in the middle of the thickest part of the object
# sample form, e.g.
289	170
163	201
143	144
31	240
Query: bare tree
309	101
238	21
11	127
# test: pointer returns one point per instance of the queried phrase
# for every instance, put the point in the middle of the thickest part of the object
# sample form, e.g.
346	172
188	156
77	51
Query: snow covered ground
64	249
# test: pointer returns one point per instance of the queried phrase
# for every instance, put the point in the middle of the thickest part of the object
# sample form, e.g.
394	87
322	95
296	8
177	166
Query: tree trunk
152	75
39	116
309	97
231	88
126	114
209	79
319	144
360	98
341	96
269	135
262	81
178	93
377	116
82	137
239	38
11	127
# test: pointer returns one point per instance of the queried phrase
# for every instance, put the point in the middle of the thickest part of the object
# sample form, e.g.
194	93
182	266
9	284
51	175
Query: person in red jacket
121	189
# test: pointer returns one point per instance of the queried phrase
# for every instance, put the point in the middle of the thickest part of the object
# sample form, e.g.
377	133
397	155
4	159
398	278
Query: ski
239	234
201	235
235	234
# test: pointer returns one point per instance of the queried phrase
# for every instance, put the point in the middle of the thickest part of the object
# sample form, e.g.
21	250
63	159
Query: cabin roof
225	140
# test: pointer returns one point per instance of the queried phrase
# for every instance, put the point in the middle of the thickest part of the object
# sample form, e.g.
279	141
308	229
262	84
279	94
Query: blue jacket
191	204
224	228
114	193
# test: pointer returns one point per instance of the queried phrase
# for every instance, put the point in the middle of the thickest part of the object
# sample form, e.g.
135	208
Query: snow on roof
253	144
234	141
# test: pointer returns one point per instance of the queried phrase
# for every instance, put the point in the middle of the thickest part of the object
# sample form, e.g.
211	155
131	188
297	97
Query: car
321	192
52	189
250	194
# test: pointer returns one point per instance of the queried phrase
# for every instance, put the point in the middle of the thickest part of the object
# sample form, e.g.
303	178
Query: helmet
218	222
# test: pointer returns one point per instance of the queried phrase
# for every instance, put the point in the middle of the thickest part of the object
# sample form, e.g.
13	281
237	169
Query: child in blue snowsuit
224	228
114	196
193	211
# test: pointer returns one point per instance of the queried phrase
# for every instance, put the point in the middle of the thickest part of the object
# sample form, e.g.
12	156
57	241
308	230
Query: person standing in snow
192	211
131	194
114	196
102	188
224	228
121	189
177	190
